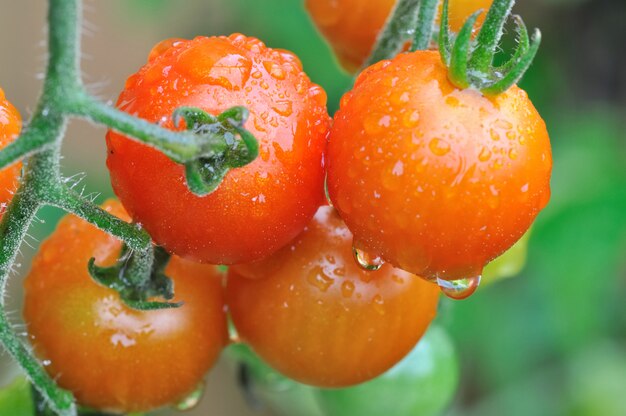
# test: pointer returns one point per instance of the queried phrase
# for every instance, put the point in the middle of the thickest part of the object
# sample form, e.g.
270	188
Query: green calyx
205	173
138	277
470	60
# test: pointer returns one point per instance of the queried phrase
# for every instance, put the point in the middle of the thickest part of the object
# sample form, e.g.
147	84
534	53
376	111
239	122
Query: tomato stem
425	25
470	61
399	28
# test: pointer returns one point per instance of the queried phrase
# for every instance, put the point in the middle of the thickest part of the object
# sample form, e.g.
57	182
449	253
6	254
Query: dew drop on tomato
192	399
367	261
461	288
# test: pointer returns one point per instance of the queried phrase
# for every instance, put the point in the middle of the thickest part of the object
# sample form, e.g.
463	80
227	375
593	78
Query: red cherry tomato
436	180
10	126
110	356
351	26
314	315
257	208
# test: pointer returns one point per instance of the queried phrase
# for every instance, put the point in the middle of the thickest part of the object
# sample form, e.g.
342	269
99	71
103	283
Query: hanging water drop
192	399
367	261
461	288
328	200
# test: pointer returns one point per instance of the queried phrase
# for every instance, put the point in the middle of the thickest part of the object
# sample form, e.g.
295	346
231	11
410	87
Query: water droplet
513	154
283	107
347	289
411	119
192	399
367	261
378	303
485	154
452	101
398	168
46	363
318	278
503	124
459	289
439	146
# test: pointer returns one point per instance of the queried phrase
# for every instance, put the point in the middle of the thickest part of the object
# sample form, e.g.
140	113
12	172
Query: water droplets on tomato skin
317	277
367	261
347	289
459	289
439	147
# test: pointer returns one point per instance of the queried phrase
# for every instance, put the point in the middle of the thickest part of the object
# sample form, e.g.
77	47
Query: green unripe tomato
282	395
423	384
508	264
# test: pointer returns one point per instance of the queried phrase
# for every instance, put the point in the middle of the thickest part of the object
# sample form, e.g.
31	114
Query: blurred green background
551	341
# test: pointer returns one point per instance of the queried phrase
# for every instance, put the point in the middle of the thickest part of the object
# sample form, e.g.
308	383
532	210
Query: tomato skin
311	313
110	356
253	212
437	181
10	127
351	26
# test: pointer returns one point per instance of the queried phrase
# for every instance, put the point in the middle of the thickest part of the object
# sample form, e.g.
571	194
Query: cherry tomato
436	180
257	208
110	356
423	384
10	126
317	317
351	26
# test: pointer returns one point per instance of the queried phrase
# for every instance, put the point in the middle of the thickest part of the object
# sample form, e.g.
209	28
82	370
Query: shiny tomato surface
434	179
257	208
10	126
110	356
314	315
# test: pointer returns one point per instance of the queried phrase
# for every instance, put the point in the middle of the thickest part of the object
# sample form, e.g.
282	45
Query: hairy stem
425	25
181	146
13	228
398	30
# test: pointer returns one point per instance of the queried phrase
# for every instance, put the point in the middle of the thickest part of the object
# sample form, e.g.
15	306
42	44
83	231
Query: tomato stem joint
205	173
470	59
137	277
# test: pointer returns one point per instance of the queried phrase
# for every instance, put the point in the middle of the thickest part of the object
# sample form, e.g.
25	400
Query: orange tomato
351	26
317	317
436	180
10	127
110	356
257	208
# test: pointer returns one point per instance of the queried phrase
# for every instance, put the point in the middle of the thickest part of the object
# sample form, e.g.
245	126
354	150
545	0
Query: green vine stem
398	29
64	96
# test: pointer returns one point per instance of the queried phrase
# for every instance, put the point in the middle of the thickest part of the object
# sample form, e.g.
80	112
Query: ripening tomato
434	179
110	356
10	126
257	208
314	315
351	26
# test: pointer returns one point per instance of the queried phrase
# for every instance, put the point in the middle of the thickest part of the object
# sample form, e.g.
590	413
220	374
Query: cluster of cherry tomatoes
424	179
